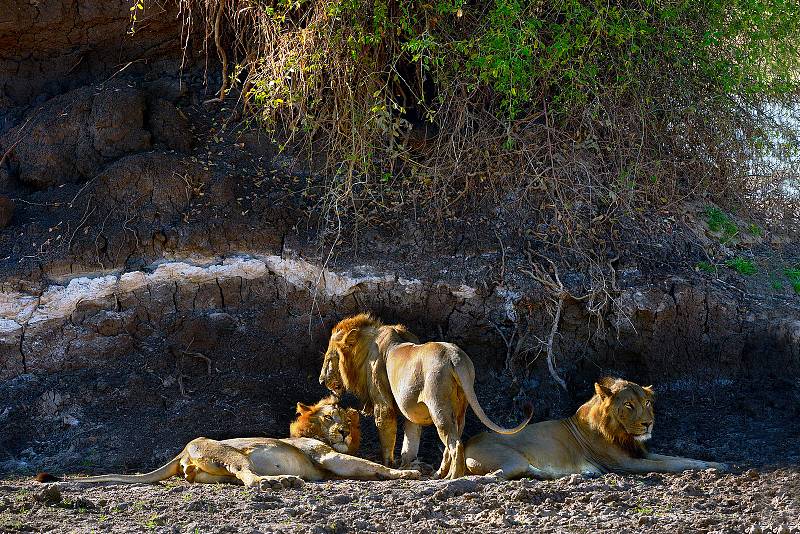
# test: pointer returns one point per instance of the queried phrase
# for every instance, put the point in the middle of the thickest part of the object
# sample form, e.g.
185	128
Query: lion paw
280	482
718	466
418	465
406	474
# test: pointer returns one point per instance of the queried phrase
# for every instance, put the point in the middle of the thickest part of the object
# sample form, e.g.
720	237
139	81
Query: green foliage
718	221
136	7
755	230
742	265
651	100
793	274
706	267
154	521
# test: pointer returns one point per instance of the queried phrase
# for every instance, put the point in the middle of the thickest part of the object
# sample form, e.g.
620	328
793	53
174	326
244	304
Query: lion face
631	406
330	423
330	376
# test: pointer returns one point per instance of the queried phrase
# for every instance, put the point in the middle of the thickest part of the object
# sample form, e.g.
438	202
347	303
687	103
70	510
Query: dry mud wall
667	330
221	347
148	294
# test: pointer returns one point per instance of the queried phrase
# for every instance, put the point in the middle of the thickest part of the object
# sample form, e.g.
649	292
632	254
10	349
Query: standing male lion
429	383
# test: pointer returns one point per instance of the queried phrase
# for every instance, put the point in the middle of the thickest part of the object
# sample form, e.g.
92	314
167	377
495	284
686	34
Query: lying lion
606	434
431	383
320	436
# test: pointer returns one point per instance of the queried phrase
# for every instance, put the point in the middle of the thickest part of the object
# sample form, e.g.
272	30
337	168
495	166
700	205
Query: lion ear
650	390
602	391
302	408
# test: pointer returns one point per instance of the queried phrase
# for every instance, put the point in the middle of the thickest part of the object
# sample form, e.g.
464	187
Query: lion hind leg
514	466
453	459
212	459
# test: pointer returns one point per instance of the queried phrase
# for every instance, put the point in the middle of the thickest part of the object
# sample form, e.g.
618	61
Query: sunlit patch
644	437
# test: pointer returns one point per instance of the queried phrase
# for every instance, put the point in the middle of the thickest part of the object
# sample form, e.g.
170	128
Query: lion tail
465	375
162	473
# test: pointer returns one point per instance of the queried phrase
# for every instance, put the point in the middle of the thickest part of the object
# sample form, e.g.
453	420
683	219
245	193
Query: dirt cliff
163	269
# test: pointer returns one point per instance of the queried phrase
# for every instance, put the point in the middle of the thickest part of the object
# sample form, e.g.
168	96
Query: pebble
341	499
51	494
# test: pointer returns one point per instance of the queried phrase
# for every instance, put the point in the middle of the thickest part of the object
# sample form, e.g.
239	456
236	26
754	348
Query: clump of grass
706	267
742	265
718	221
154	521
793	274
755	230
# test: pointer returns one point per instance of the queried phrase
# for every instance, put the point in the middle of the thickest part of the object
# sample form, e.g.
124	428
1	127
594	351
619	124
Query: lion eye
629	406
648	403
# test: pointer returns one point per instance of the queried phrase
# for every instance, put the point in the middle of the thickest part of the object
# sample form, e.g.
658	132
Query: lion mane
357	336
598	416
309	423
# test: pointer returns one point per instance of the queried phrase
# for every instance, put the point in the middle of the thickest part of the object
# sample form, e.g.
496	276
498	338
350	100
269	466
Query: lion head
330	423
622	412
352	341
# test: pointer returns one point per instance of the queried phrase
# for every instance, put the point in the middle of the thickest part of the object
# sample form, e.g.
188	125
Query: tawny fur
269	462
307	424
606	434
387	368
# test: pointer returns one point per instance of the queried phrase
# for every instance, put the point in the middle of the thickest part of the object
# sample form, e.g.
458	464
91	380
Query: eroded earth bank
163	276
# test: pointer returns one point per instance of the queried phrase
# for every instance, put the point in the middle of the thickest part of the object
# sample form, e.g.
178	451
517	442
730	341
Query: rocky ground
708	501
165	274
752	427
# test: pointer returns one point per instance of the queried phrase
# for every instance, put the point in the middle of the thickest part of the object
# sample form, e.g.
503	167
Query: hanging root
223	57
554	284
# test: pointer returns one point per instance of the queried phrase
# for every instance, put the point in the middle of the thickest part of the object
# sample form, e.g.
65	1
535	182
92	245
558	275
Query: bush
742	266
568	110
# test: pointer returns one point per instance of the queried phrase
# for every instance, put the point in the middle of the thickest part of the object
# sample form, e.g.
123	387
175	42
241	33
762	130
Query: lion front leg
412	432
346	466
386	421
659	463
675	464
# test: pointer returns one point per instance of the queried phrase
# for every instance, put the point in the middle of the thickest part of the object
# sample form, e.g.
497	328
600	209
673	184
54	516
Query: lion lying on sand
429	383
606	434
320	436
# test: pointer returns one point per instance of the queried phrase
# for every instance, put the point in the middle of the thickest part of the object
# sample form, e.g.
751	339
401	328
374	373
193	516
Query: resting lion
431	383
273	463
606	434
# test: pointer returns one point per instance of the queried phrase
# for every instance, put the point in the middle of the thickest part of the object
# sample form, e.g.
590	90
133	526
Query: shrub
718	221
568	110
793	275
706	267
742	265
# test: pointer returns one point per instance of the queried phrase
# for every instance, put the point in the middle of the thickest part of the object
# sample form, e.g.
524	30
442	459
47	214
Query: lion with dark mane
321	435
387	368
606	434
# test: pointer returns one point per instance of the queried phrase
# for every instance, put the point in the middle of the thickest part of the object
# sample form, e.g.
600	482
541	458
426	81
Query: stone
6	211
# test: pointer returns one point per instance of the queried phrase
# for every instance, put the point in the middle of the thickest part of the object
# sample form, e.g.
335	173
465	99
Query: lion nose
647	424
321	380
344	432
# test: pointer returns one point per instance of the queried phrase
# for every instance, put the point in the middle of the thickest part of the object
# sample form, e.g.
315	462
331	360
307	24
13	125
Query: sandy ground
708	501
